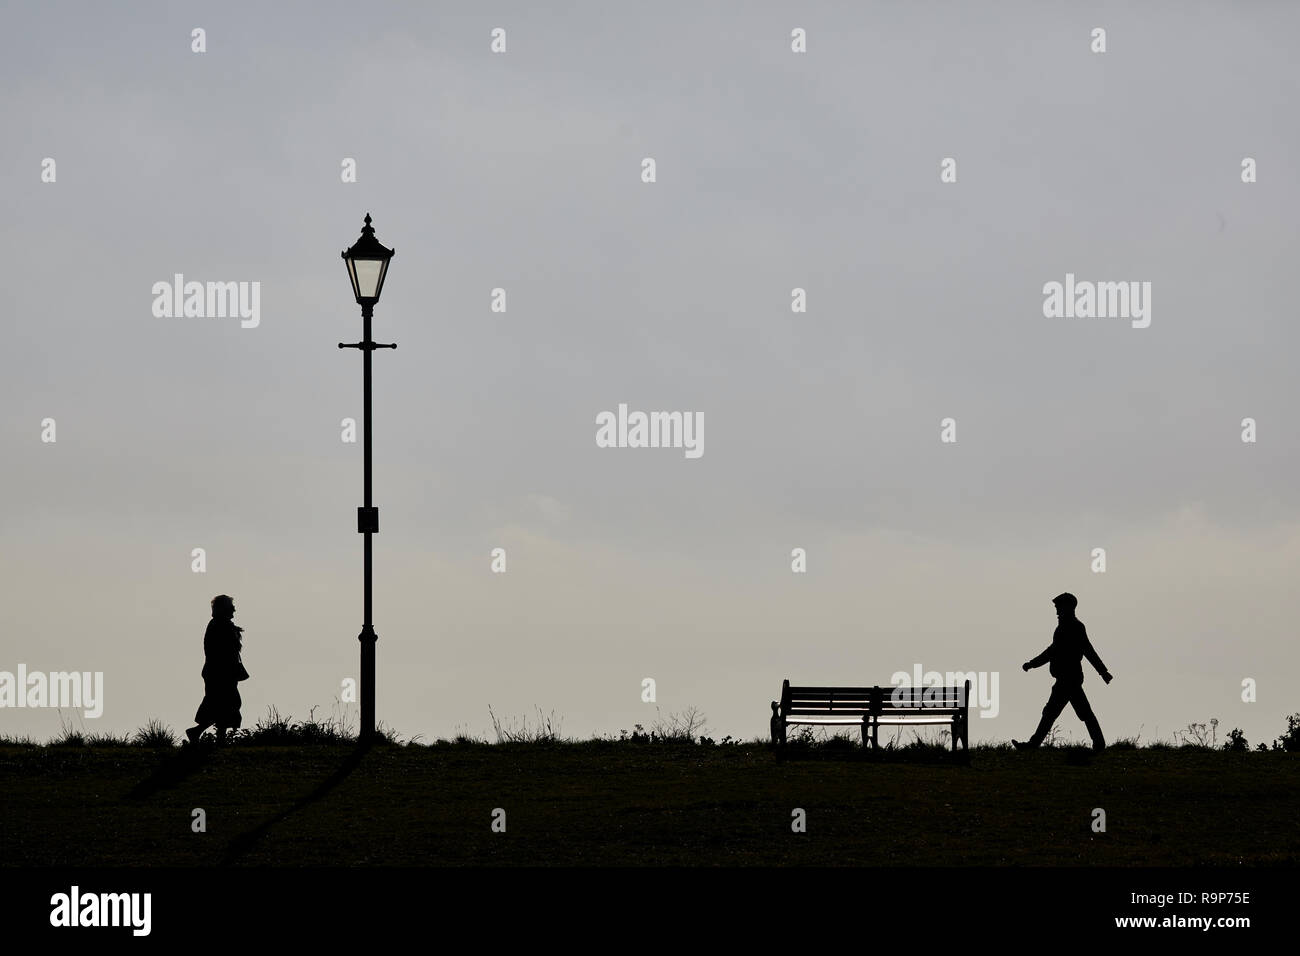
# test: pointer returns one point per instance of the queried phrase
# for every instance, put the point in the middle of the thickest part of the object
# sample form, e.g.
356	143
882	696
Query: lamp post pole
367	267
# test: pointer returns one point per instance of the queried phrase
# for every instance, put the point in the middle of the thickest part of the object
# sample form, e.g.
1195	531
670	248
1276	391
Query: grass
316	800
154	734
544	730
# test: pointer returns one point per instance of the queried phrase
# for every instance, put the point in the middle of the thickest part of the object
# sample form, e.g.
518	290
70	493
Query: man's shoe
1023	745
193	733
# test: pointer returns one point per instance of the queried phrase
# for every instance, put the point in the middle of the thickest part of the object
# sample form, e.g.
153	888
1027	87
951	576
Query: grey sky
775	171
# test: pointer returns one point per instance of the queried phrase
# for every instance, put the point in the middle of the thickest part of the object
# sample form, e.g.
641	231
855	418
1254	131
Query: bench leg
965	720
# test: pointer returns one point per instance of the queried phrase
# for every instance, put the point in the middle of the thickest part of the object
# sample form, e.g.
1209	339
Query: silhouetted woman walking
223	669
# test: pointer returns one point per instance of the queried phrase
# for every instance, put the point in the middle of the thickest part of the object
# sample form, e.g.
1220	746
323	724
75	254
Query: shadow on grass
174	768
244	842
911	754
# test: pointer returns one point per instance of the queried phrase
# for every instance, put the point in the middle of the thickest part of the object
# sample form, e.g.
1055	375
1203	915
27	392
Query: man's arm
1093	657
1040	660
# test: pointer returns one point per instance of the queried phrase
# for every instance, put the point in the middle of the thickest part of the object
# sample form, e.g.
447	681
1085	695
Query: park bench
873	707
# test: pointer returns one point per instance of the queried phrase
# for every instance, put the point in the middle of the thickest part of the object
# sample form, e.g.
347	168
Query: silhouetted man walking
1069	646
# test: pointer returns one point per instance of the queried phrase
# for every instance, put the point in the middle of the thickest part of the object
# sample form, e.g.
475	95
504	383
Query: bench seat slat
837	702
838	705
796	704
863	691
857	719
885	708
829	690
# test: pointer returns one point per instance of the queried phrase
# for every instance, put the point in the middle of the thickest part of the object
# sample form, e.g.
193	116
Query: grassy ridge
618	803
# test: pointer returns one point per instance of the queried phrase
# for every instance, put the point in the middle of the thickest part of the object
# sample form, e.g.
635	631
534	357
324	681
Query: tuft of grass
281	730
840	741
545	730
69	735
1199	736
273	729
108	740
941	741
154	734
1157	742
1055	739
682	727
461	737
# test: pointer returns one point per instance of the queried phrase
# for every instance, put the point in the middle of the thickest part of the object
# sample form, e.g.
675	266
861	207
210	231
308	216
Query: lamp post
367	263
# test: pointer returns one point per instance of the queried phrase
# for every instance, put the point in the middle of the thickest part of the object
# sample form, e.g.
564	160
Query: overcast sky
775	170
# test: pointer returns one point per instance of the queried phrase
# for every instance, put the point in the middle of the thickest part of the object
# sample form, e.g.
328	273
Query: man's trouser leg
1079	701
1051	710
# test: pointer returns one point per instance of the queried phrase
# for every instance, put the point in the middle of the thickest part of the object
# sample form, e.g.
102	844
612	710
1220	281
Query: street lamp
367	263
367	266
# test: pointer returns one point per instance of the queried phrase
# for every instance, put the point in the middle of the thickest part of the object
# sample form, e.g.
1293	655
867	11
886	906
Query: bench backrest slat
841	701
